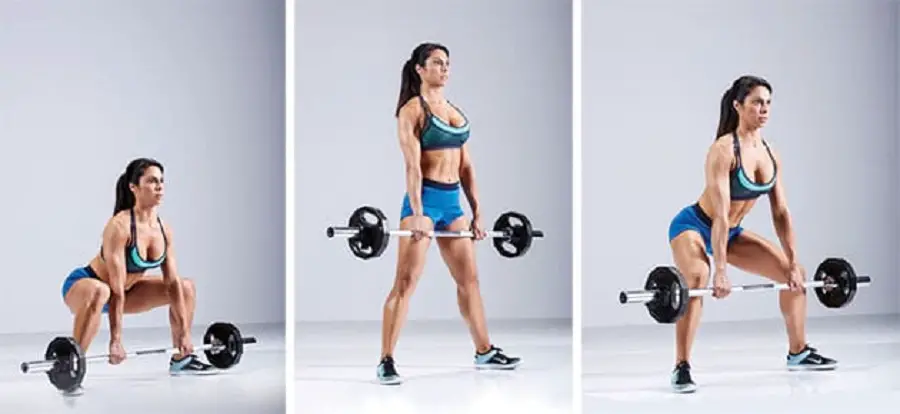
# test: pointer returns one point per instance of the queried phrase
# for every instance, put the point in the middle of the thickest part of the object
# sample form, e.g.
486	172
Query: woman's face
754	111
149	191
436	70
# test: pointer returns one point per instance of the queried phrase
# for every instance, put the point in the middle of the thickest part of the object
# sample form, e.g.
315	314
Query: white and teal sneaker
809	360
387	372
494	358
189	365
682	382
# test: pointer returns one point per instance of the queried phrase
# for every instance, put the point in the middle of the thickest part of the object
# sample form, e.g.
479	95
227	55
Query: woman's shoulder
412	107
120	221
721	149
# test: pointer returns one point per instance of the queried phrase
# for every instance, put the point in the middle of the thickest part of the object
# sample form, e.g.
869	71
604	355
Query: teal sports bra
742	187
438	134
134	263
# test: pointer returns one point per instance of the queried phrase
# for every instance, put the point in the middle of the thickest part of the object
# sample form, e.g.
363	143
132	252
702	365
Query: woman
740	167
433	135
135	240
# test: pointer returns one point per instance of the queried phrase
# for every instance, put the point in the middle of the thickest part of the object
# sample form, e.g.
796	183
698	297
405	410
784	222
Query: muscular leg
410	263
754	254
85	300
459	255
152	292
690	257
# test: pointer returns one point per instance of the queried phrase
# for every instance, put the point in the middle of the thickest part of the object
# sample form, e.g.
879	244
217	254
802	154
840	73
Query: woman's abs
102	272
441	165
737	210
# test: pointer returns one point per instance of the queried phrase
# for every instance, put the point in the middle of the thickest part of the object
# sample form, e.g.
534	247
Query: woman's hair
728	116
410	83
132	175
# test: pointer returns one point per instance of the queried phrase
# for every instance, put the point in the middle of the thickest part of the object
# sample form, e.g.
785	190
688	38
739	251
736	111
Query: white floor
739	367
336	369
142	384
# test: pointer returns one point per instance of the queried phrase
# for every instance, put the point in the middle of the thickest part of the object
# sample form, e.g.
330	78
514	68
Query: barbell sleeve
44	365
644	296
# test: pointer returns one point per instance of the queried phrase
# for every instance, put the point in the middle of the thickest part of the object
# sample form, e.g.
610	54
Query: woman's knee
406	280
468	286
696	278
189	288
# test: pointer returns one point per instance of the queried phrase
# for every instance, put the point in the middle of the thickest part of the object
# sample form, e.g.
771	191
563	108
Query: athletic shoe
809	360
189	365
387	373
494	358
681	378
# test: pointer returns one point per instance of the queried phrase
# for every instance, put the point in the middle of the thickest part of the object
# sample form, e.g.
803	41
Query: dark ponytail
728	116
410	82
132	175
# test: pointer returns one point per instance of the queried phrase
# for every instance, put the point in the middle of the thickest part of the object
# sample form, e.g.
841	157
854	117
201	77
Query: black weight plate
671	298
222	333
840	272
373	237
69	365
518	227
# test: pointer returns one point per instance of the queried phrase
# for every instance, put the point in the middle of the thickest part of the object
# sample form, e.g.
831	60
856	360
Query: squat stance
740	167
135	240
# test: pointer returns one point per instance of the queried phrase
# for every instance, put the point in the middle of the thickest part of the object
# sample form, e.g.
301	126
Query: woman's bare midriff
441	165
737	210
99	267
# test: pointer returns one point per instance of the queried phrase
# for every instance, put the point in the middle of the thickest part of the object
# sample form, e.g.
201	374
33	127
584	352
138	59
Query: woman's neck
432	94
144	214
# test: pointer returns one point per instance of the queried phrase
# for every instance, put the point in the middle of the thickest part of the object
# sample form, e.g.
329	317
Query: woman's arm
718	163
115	238
173	283
467	179
781	216
412	156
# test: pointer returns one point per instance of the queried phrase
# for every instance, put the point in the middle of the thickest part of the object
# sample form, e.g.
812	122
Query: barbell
368	234
666	294
66	364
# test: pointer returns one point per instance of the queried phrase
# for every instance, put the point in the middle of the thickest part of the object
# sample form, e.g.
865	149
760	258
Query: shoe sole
498	367
192	373
831	367
396	381
687	389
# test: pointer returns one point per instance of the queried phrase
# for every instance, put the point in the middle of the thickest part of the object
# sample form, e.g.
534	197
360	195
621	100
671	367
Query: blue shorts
440	202
692	217
76	275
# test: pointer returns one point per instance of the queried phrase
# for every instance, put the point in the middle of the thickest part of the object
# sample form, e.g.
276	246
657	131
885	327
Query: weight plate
840	272
373	237
222	333
518	227
69	365
671	298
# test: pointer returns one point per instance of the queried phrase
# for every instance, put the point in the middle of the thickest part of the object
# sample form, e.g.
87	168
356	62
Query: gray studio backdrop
88	86
511	74
654	76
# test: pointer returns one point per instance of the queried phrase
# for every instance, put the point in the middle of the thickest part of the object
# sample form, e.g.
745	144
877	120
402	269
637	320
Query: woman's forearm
414	188
467	180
